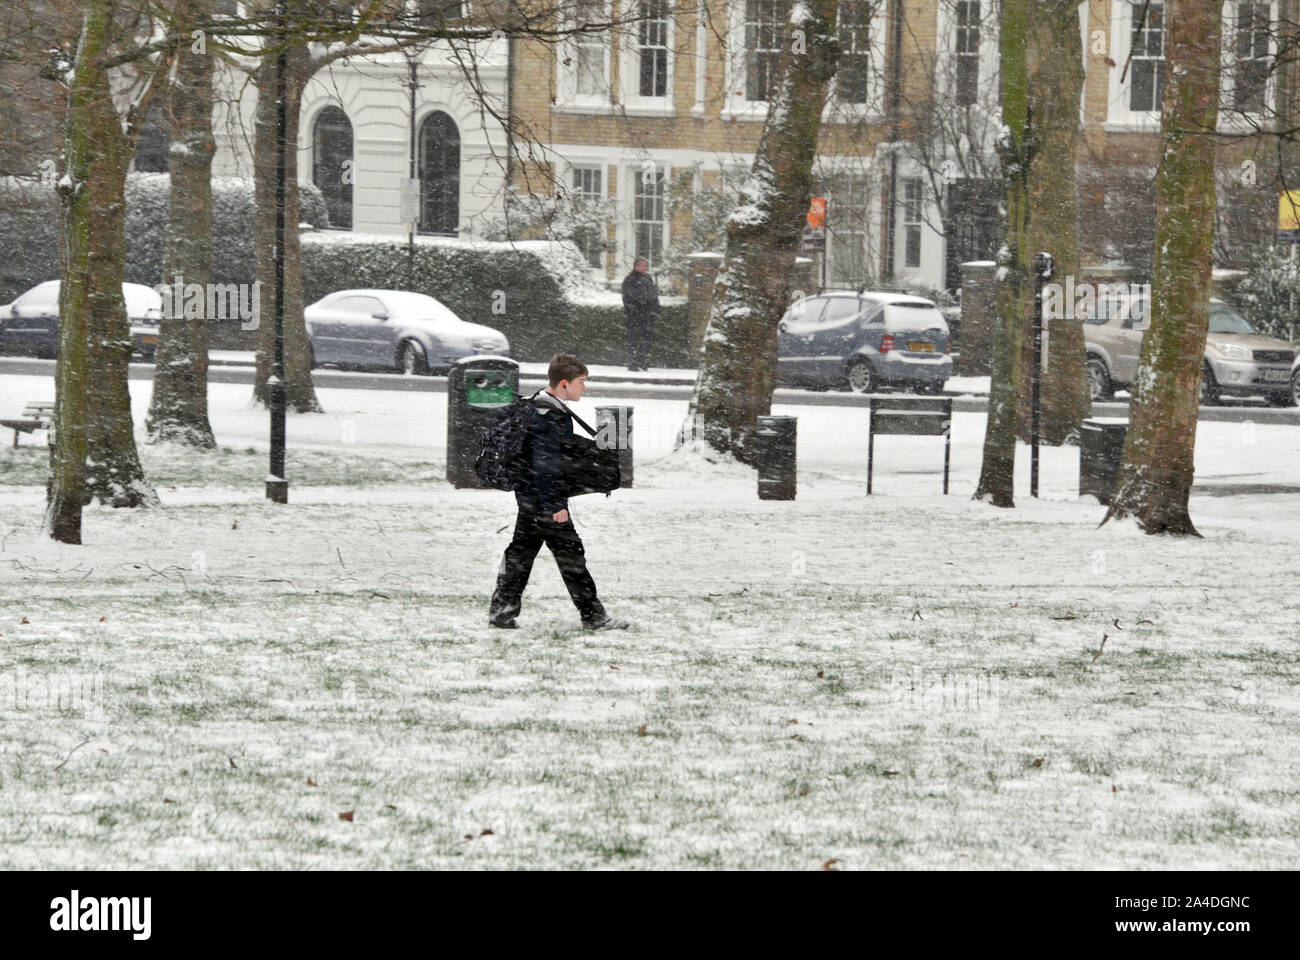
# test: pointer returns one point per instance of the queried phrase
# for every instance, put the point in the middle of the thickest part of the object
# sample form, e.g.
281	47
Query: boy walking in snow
544	507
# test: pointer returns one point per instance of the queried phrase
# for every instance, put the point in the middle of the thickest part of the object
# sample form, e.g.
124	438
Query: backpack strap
564	409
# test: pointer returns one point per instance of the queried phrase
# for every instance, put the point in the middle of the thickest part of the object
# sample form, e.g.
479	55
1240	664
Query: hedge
29	230
538	293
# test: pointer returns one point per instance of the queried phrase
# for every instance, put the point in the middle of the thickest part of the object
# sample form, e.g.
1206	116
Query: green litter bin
477	387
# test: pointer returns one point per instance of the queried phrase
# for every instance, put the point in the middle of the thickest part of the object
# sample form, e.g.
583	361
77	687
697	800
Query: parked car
30	325
1238	361
411	332
865	340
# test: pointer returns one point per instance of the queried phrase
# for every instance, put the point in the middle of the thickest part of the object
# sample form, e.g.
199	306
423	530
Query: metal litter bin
477	387
1101	448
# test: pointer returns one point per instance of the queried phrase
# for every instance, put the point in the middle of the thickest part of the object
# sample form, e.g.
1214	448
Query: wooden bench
916	416
37	415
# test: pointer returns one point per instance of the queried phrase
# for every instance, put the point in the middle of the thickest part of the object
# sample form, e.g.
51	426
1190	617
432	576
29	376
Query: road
1231	412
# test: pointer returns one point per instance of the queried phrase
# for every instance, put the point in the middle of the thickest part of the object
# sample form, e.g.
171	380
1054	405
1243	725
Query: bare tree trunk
1055	84
94	451
1016	147
738	369
178	411
1156	476
66	492
301	392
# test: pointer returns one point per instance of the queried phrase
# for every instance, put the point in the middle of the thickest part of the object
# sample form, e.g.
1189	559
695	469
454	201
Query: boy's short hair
565	366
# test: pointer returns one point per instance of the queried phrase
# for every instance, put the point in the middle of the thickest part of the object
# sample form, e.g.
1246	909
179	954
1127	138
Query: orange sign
817	213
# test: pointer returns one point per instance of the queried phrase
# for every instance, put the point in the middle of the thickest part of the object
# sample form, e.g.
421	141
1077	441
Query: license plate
917	346
1276	376
149	338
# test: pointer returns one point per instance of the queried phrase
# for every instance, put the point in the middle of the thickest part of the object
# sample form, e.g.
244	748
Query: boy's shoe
504	624
606	623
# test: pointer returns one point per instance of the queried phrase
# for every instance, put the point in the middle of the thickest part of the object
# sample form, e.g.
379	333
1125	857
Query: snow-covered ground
907	680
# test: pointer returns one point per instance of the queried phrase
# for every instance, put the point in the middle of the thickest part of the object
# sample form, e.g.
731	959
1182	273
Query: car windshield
1224	319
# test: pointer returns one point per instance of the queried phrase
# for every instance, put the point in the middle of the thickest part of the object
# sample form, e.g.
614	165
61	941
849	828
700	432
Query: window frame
961	56
836	184
987	59
600	168
736	104
911	226
316	164
874	49
1120	116
1230	115
635	173
567	95
634	103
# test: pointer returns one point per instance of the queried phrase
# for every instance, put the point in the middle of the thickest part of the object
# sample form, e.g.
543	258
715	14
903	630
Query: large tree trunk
1156	476
752	290
301	392
178	411
66	492
1016	149
94	451
1055	82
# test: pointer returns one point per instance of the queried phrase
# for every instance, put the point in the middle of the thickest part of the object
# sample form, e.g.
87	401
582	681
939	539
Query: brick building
621	120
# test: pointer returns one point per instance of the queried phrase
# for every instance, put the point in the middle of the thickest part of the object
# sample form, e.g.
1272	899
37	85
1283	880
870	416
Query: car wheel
411	360
861	378
1209	389
1099	385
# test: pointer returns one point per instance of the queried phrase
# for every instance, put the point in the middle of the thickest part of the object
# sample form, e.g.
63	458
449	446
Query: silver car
411	332
1238	361
30	325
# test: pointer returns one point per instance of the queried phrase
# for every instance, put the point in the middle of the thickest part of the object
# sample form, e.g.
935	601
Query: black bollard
776	457
614	430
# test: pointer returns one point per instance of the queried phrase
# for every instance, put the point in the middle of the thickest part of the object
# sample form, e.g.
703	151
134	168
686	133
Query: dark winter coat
552	442
640	298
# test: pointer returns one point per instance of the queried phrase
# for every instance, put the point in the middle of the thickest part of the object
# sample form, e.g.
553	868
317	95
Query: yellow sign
1288	210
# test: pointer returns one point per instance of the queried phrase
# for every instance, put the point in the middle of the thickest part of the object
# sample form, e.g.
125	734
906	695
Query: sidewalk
607	374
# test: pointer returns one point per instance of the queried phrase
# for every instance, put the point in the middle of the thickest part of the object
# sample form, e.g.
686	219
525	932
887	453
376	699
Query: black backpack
505	459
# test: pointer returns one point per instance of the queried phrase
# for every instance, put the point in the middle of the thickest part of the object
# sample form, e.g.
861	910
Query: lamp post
277	487
412	85
1044	268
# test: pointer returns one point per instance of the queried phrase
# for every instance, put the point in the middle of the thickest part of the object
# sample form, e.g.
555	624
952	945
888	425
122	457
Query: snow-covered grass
903	681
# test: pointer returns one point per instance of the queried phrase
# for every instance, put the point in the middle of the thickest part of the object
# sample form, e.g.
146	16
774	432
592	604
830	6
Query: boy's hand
561	517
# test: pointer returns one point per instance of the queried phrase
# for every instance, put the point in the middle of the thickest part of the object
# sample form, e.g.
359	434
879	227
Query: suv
1238	361
865	340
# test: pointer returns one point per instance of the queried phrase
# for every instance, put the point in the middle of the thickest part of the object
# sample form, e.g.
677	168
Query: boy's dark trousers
532	529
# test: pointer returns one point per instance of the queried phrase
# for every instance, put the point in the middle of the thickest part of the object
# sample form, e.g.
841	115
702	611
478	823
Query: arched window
439	175
332	164
154	142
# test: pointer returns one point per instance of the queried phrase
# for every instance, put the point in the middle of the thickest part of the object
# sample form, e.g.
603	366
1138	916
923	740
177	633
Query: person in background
640	310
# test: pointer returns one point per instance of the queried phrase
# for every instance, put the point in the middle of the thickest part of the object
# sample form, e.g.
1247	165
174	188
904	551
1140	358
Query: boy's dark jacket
552	440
